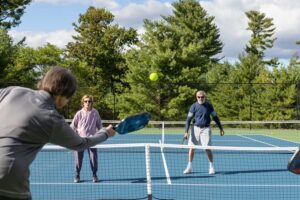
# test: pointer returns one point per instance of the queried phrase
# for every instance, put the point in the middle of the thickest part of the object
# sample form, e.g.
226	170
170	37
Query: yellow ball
153	76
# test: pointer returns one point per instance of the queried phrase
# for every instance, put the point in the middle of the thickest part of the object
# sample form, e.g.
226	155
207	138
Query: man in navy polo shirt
201	111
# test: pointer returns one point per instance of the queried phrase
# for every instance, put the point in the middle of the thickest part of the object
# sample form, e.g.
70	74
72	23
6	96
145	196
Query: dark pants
93	156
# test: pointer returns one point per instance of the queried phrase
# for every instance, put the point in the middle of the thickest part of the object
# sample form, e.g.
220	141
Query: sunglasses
200	97
87	101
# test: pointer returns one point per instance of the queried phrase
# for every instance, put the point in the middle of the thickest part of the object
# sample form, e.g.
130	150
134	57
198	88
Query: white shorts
200	136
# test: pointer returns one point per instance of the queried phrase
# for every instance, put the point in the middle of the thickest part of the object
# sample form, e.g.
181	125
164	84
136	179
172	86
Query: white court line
280	139
174	184
257	140
214	140
236	185
78	184
165	165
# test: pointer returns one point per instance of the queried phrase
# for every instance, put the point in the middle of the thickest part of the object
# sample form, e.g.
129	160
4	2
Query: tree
11	12
234	94
10	15
99	48
262	29
223	91
181	48
246	80
30	64
7	52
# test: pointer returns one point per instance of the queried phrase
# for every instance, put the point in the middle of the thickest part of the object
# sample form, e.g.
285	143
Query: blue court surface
122	171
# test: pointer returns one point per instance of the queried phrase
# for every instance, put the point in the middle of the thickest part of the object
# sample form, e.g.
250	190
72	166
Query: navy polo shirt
201	114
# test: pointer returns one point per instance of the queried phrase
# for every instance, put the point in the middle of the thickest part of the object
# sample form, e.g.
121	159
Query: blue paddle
133	123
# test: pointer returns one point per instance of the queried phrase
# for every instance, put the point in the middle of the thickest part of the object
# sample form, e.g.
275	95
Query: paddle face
133	123
294	163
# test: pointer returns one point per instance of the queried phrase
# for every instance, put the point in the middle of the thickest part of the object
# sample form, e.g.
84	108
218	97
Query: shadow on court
251	171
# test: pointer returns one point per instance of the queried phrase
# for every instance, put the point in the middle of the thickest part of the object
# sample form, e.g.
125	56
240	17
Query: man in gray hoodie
28	121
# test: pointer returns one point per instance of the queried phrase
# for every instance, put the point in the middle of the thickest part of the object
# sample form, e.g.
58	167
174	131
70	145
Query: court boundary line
235	185
165	165
249	138
271	136
173	184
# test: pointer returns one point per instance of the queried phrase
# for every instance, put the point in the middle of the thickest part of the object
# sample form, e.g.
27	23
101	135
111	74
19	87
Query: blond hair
86	96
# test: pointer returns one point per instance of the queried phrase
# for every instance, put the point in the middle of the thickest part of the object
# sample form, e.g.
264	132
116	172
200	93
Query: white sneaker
187	170
211	171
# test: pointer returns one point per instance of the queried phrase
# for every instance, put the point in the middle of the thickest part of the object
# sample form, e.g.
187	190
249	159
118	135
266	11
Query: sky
50	21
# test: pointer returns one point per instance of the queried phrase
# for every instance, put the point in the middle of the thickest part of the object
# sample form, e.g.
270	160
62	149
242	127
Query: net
164	131
155	171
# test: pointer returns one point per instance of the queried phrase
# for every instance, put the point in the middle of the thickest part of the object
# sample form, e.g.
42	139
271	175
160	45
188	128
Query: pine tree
181	49
97	51
11	12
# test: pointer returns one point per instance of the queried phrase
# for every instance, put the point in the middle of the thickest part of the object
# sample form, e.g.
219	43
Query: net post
148	173
163	132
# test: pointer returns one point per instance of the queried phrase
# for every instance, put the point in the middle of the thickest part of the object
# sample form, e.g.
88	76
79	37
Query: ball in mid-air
153	76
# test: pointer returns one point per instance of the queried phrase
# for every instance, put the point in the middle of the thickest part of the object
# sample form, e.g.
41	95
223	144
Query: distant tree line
113	64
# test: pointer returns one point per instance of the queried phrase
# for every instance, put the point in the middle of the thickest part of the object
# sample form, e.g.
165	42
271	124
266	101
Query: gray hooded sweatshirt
28	121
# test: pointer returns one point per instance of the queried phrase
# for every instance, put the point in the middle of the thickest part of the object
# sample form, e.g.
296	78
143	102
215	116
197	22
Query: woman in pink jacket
86	122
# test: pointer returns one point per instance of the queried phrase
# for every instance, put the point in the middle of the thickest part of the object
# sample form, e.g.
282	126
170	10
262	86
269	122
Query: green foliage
98	50
142	94
7	52
100	45
262	29
11	12
222	91
249	93
249	90
29	63
198	35
181	49
278	99
22	70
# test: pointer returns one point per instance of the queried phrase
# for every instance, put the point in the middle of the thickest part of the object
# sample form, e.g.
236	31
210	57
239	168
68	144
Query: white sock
211	165
189	165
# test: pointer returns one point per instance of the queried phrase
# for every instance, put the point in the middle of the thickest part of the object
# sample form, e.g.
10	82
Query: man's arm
4	92
63	135
217	120
188	121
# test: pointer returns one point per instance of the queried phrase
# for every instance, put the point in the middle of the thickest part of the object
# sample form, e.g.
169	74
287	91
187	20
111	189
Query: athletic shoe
95	179
187	170
77	179
211	171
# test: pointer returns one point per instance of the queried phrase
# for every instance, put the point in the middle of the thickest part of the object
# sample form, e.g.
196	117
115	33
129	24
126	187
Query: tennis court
136	166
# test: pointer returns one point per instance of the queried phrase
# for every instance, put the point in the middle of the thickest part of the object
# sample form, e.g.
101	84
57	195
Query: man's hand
186	135
111	132
222	132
